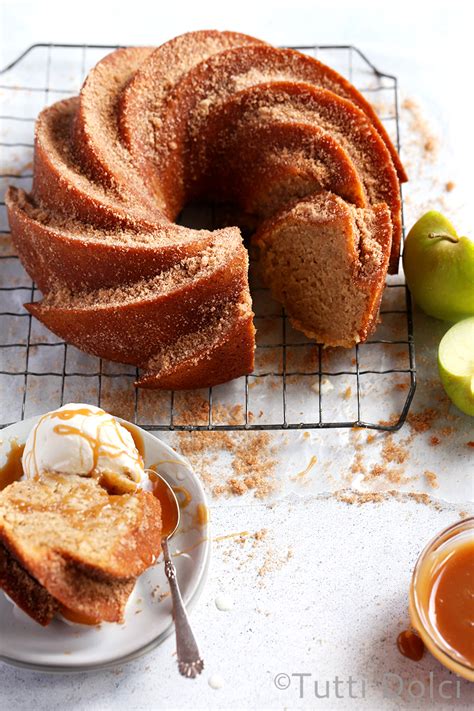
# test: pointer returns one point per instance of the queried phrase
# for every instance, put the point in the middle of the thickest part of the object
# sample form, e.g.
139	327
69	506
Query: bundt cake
213	115
322	256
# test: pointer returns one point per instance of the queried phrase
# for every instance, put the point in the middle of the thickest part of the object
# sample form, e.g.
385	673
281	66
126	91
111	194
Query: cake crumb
432	479
449	186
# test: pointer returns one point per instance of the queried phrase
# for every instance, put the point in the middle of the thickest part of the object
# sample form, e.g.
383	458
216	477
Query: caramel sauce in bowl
442	598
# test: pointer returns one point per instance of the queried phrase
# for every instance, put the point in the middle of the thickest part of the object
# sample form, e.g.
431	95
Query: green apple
439	268
456	364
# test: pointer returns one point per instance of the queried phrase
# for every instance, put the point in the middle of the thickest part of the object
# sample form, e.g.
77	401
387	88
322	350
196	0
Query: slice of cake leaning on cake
325	261
219	116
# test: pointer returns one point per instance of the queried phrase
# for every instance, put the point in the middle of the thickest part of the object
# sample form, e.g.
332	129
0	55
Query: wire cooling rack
296	384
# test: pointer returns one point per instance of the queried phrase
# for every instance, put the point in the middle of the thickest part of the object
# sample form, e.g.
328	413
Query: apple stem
443	235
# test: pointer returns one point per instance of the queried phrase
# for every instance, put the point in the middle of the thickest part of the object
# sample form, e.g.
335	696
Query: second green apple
439	268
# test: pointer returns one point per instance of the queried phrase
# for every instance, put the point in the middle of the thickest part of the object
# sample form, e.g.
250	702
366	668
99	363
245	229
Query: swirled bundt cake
209	115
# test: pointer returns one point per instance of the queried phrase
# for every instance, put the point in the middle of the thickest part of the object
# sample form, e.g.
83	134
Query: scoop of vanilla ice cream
84	440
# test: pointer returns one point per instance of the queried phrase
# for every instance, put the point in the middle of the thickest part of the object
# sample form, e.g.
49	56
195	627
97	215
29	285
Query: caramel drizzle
97	447
185	498
302	474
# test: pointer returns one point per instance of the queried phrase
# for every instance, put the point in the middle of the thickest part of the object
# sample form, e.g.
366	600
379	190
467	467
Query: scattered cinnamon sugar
115	397
260	535
395	475
6	246
237	486
432	479
269	359
154	406
424	499
434	441
392	420
447	431
232	415
252	465
392	452
273	562
422	421
191	408
358	498
419	126
358	464
301	359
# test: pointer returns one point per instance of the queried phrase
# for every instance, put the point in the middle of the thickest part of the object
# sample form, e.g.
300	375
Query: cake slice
274	102
129	323
143	102
55	249
260	166
326	262
221	351
69	546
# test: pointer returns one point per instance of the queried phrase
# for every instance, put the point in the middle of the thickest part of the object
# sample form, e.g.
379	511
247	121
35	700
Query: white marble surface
334	598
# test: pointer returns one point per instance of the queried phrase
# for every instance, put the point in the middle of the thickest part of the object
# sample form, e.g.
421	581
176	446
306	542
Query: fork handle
190	662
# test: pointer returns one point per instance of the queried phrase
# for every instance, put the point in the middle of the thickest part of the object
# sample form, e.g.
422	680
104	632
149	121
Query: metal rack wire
323	389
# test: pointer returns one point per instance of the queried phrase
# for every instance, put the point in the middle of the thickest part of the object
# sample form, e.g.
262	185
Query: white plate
64	647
